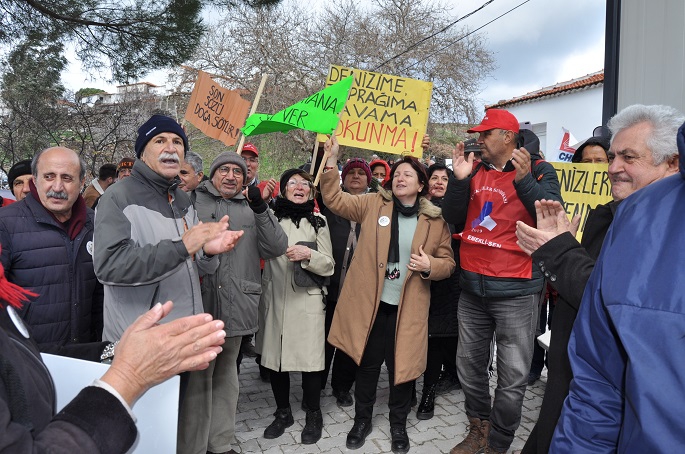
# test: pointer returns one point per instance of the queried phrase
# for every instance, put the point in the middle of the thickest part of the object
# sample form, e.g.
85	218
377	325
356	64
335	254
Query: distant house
575	105
138	89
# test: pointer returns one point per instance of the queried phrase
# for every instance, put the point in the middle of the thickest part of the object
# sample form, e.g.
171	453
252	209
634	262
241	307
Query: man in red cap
500	287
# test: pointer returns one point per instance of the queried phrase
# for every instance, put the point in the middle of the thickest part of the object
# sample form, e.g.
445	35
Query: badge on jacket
383	221
89	248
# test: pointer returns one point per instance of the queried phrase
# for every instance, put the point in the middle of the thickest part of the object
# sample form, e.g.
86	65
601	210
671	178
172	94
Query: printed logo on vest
484	220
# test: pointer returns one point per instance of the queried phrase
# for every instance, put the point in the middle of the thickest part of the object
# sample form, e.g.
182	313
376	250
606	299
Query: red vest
488	242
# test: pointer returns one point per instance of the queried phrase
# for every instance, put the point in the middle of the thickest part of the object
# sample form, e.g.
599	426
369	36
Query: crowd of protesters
420	266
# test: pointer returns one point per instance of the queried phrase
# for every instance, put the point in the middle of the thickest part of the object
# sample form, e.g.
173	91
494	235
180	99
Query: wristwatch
108	353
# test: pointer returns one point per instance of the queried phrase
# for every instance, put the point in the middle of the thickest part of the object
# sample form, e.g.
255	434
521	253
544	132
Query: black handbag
305	278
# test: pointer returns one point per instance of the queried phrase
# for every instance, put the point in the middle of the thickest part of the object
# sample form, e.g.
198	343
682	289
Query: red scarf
79	214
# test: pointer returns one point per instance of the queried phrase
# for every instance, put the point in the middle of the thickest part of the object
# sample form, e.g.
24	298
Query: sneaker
446	383
343	398
476	439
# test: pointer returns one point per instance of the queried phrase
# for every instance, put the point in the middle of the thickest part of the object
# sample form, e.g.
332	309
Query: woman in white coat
292	308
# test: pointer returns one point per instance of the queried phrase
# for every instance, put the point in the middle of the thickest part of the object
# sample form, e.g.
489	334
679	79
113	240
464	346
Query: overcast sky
541	43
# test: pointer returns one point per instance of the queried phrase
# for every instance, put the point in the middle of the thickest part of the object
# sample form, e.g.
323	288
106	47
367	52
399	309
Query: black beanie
17	170
158	124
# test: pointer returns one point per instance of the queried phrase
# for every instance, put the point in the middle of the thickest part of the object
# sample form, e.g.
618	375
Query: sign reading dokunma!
583	187
383	112
216	111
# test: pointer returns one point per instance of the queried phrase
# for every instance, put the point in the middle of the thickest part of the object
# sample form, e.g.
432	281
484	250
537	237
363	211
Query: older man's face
189	177
58	181
20	186
631	164
164	154
252	163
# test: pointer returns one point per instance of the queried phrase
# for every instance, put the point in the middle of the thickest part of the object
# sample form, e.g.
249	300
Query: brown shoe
490	450
477	438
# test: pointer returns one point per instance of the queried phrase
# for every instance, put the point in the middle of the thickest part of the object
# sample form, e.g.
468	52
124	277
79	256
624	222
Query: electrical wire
444	29
463	37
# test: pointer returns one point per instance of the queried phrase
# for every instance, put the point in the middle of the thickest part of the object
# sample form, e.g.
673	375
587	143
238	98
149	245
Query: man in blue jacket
47	247
627	343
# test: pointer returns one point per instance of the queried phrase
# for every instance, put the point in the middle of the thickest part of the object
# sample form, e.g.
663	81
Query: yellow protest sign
216	111
383	112
583	187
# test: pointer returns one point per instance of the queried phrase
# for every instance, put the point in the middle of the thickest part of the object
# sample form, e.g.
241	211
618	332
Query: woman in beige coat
382	311
291	316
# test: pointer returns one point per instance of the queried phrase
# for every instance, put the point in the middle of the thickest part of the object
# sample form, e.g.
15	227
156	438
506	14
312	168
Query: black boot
312	429
400	440
357	435
425	410
284	418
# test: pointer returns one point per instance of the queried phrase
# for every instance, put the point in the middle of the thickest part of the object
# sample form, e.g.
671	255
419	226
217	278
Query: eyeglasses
237	171
303	183
251	160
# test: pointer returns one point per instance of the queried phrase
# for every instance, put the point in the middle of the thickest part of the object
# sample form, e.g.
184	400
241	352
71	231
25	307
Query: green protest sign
319	112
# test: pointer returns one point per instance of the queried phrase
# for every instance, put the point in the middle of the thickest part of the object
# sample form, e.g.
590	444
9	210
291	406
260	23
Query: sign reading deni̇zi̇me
216	111
383	112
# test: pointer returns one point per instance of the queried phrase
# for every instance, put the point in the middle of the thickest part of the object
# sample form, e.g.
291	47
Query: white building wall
580	112
651	56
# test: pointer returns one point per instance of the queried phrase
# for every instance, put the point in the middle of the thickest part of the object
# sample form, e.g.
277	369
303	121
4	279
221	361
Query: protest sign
156	411
583	187
563	153
383	113
319	112
216	111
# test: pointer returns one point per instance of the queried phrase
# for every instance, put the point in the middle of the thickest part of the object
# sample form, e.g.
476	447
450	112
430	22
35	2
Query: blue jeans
513	321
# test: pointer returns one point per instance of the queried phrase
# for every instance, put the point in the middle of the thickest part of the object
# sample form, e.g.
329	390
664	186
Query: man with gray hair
231	295
47	247
191	173
643	150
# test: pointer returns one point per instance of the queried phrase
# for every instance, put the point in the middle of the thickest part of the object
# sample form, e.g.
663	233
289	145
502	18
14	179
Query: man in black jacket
47	246
634	164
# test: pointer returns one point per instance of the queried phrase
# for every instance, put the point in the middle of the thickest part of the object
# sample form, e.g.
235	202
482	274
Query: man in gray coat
149	245
232	295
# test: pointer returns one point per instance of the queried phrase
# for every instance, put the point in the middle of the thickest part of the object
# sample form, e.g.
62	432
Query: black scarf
394	250
284	208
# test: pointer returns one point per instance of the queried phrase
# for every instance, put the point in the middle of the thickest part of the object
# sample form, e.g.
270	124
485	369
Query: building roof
149	84
581	83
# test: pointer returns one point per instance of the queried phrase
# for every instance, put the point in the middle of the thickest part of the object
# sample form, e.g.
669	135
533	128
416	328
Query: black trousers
311	388
539	360
442	351
381	347
344	368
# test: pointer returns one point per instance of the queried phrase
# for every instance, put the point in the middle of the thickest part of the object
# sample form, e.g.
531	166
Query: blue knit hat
158	124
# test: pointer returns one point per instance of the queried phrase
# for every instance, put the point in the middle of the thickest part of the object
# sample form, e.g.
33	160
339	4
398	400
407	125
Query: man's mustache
57	195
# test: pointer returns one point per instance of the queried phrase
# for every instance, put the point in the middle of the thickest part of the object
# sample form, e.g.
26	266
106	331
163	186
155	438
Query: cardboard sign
216	111
583	187
383	112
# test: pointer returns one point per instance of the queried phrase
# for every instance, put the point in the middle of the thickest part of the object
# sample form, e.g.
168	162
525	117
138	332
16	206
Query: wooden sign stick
255	103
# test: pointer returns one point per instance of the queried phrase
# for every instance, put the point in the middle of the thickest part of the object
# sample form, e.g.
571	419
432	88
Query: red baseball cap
497	119
251	148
